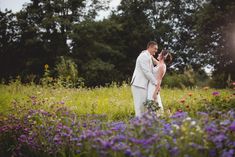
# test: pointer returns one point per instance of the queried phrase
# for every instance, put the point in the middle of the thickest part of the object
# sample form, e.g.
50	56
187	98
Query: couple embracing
147	77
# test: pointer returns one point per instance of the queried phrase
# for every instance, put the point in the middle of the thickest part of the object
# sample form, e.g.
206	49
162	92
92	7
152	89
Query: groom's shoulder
143	53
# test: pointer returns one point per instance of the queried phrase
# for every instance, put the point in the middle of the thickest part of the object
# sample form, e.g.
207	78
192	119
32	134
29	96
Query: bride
158	71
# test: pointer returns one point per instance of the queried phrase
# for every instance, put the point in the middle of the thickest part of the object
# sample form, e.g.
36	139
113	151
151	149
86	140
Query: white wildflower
176	126
193	123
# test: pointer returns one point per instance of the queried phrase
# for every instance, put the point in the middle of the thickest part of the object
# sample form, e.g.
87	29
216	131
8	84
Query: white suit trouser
139	96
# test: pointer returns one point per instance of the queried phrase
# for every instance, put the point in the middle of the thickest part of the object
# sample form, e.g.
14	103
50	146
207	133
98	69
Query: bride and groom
147	78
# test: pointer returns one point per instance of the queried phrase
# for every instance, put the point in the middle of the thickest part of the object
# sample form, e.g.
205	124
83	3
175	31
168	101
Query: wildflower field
38	121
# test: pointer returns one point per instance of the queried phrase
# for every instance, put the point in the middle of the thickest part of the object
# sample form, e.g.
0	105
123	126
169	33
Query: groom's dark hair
151	43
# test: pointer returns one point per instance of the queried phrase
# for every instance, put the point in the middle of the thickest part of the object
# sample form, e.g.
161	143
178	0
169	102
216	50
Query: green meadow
114	101
44	121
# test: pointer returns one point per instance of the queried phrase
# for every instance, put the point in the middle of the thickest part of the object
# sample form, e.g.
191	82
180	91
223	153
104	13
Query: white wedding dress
151	87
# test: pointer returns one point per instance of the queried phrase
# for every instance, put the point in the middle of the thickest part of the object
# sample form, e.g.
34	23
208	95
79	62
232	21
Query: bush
221	80
189	78
67	72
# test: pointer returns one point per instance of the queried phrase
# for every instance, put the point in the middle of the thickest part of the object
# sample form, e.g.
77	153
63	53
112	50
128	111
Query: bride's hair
166	56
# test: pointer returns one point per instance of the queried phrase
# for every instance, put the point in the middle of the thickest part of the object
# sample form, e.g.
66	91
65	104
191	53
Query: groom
143	75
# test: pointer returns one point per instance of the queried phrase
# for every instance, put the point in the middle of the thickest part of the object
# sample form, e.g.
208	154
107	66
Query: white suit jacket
143	73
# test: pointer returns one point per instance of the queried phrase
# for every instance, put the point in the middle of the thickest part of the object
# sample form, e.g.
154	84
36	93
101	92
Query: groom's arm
145	67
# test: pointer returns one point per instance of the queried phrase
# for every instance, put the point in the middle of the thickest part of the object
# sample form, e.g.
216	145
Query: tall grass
115	102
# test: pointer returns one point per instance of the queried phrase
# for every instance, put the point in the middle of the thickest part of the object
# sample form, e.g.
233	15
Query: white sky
16	5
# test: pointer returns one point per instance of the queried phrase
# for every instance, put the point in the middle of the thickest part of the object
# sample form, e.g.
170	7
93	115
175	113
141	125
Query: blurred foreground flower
215	93
182	100
232	126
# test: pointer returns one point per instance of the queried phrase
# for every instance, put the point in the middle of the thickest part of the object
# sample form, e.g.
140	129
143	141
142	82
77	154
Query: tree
96	48
43	30
9	39
136	32
173	26
170	23
215	28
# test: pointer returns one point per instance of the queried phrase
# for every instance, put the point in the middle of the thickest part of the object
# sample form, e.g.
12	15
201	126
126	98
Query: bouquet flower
151	105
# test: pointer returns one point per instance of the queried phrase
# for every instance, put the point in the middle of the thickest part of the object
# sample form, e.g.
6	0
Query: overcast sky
16	5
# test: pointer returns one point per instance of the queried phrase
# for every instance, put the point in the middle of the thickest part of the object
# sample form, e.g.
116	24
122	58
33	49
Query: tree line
65	35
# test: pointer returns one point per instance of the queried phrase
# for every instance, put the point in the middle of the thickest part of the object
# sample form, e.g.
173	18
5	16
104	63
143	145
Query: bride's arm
155	61
159	81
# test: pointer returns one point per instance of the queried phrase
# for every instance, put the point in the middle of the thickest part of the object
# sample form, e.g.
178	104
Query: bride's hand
155	61
155	96
159	89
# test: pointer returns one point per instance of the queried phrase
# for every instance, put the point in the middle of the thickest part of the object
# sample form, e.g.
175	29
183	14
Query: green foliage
173	23
67	72
221	80
218	81
38	34
218	102
214	24
66	75
189	78
47	79
99	61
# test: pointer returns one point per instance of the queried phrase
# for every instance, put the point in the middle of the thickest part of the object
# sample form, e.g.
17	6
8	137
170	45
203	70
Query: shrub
67	73
189	78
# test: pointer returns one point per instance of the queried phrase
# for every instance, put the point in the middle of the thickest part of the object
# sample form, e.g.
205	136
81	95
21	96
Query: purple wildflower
105	144
225	122
119	138
215	93
180	115
174	151
119	126
212	153
22	138
232	126
61	102
119	146
167	128
218	140
128	152
229	153
211	128
204	114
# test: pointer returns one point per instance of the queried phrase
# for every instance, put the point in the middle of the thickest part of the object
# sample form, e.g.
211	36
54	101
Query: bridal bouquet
152	105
